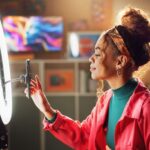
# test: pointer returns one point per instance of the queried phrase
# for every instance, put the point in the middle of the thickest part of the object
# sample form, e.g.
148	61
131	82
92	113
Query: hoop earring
118	72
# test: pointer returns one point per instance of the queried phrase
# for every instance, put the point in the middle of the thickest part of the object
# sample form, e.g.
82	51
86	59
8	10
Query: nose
91	59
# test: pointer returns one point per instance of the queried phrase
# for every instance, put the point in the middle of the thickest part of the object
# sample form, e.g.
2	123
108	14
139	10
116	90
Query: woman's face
103	61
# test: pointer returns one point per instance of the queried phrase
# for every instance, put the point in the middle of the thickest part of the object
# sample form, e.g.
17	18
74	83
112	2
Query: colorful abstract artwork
34	33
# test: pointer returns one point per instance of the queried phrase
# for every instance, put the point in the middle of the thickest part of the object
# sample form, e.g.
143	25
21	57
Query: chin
94	77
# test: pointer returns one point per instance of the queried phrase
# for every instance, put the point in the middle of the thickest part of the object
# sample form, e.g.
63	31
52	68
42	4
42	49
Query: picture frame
81	44
59	80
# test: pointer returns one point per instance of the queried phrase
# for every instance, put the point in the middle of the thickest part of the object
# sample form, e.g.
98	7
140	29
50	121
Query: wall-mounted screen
33	33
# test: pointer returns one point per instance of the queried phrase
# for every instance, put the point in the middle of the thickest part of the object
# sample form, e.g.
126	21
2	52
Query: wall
75	10
119	4
81	9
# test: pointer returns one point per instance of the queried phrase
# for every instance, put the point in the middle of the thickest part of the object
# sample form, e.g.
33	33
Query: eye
97	55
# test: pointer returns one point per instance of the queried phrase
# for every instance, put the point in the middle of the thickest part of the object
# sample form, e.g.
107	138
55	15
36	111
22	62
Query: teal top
117	104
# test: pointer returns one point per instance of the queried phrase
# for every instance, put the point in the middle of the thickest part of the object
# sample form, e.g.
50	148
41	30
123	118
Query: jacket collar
104	105
135	103
133	106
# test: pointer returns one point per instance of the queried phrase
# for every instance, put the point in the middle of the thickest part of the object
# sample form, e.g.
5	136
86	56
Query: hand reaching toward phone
39	98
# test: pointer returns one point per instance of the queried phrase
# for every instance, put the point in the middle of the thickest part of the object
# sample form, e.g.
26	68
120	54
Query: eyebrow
97	48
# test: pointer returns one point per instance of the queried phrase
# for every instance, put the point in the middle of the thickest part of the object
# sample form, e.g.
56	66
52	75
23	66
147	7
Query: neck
117	82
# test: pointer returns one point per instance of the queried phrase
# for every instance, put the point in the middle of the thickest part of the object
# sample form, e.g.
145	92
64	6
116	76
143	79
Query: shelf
87	94
61	77
69	94
60	94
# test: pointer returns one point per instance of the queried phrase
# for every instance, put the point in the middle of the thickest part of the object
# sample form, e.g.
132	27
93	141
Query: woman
120	120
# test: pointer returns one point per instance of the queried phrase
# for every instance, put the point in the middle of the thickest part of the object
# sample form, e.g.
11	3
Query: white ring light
5	88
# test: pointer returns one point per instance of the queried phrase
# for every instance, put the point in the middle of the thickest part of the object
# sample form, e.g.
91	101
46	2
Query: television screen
34	33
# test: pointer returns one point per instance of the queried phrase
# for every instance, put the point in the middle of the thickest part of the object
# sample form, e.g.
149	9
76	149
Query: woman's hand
39	98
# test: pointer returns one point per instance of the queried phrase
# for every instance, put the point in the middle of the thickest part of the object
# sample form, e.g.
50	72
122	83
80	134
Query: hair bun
137	23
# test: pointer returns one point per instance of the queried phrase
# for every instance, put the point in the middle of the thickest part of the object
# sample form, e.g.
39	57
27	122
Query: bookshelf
82	84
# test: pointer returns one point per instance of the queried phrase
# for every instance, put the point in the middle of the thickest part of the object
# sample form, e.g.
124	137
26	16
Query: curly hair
135	31
134	28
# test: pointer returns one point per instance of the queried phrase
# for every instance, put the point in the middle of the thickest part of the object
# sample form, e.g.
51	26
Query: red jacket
132	130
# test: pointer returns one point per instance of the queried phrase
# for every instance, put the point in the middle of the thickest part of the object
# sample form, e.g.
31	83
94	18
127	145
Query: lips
92	68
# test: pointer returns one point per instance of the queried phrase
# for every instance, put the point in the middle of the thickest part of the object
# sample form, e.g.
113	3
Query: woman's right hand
39	98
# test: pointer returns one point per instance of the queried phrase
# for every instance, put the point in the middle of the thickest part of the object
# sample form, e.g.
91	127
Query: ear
121	61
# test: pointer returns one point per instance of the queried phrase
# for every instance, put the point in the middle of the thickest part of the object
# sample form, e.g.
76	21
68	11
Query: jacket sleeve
70	132
145	123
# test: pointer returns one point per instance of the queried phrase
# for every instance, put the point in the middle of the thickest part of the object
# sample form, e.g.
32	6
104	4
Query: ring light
5	89
5	81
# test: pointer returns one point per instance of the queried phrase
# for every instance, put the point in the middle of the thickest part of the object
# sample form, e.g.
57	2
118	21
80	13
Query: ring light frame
5	89
5	80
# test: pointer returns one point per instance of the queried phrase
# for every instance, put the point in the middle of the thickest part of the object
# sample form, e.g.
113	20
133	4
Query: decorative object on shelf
81	44
97	10
32	7
87	85
79	25
59	80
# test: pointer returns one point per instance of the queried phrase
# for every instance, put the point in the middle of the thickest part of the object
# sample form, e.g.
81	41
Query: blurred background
58	37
